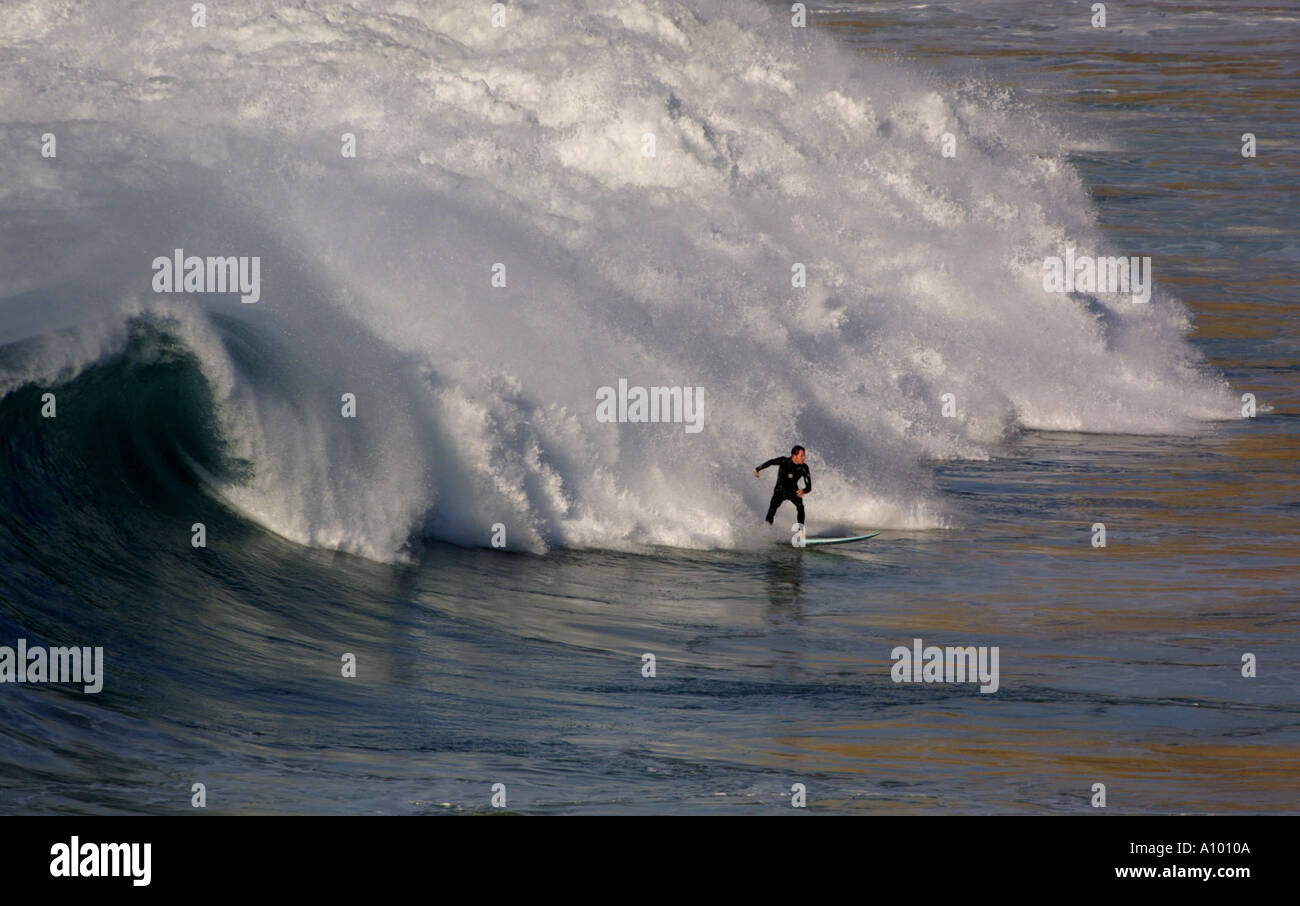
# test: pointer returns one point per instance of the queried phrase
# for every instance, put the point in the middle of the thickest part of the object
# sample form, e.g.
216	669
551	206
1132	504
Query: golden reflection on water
1218	516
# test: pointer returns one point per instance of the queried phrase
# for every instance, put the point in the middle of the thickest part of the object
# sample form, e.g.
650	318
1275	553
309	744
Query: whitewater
524	150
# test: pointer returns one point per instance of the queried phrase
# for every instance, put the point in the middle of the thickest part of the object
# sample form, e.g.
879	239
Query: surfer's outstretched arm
770	462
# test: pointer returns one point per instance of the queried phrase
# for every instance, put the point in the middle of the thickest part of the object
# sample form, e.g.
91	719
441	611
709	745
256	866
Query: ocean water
525	146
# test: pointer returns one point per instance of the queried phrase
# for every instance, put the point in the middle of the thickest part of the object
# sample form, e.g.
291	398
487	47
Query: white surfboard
812	541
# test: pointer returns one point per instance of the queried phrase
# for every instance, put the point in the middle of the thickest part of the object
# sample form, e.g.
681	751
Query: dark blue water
476	666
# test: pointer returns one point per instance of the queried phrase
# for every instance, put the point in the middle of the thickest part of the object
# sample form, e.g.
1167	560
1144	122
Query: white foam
523	145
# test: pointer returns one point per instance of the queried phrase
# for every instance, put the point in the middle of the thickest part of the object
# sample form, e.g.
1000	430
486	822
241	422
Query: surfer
789	469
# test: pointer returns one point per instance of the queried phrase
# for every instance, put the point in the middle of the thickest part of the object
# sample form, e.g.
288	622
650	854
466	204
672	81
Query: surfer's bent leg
798	507
777	497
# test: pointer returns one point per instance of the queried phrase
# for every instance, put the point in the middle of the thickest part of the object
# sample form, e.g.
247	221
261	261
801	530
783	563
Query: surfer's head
797	455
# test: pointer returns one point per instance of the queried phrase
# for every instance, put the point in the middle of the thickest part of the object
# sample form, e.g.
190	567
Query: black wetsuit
787	482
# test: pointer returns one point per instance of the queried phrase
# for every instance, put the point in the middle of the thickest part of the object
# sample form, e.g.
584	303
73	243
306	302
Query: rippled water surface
1118	665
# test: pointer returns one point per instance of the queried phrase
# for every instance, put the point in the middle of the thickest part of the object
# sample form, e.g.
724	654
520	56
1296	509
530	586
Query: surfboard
811	541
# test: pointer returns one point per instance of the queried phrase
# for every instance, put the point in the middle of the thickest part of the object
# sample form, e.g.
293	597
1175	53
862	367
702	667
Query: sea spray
524	146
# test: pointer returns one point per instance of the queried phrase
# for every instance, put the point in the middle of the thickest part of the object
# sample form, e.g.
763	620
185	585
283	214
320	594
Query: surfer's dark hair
797	449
